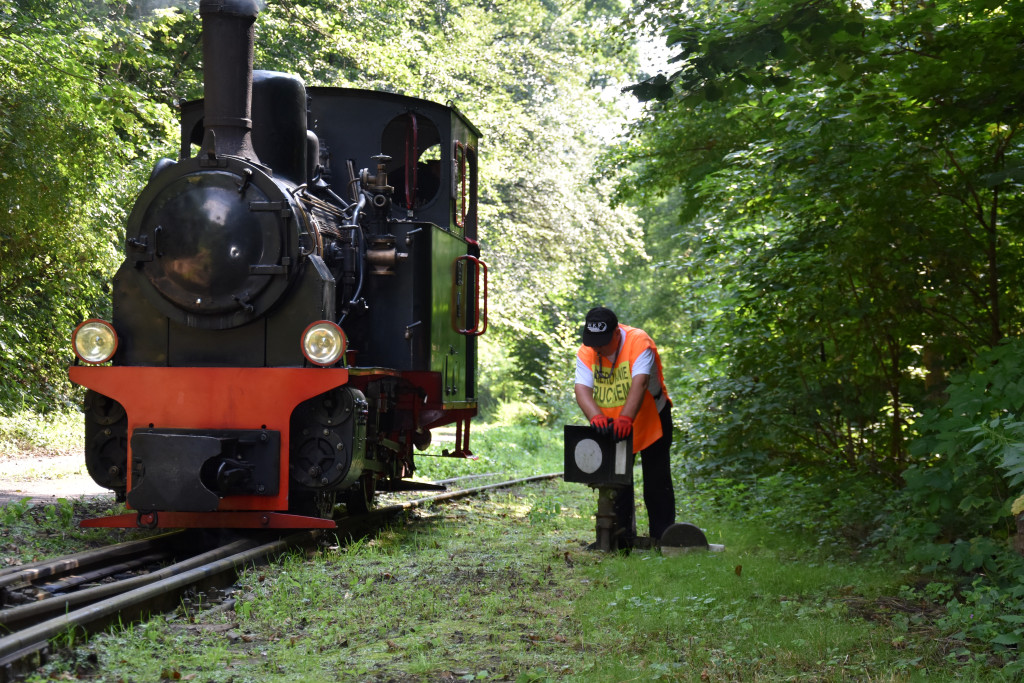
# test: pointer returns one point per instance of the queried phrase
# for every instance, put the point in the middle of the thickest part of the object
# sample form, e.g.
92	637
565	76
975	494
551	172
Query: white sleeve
643	363
584	375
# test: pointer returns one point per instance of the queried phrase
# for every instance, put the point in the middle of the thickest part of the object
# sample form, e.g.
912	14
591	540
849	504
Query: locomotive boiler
298	304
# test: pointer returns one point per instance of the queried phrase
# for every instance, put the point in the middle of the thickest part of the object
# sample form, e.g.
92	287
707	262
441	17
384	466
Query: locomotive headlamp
323	343
94	341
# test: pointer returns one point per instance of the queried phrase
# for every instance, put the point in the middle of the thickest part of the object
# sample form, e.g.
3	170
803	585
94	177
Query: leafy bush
954	516
498	380
954	512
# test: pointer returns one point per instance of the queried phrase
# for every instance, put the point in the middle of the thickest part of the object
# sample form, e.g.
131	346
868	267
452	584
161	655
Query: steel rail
42	632
27	573
461	493
35	611
73	581
467	476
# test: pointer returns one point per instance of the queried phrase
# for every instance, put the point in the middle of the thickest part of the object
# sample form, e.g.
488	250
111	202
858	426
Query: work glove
601	424
622	426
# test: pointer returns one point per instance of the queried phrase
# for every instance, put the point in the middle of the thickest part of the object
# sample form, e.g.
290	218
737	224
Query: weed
62	514
544	511
14	511
69	637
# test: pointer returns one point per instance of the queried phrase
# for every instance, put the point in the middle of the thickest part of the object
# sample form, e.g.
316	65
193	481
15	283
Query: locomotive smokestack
228	37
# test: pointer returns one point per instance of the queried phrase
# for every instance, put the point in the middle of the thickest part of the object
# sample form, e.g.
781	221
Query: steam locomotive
286	330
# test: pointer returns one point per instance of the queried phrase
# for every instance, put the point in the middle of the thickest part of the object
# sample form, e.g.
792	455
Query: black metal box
592	458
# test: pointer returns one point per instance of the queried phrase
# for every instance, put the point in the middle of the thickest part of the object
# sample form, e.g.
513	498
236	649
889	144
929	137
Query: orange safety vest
610	392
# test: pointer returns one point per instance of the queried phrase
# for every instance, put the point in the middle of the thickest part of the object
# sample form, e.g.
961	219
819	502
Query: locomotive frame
286	331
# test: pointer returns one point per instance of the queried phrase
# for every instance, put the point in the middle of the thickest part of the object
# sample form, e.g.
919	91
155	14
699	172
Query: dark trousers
659	496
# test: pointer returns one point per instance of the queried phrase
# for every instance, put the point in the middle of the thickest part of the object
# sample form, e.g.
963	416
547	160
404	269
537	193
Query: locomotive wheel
359	499
313	503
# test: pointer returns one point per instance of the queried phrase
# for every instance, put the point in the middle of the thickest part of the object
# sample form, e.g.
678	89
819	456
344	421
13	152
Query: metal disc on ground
684	535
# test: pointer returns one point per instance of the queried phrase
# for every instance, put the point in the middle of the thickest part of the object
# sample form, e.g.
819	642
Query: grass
753	611
501	588
37	531
481	590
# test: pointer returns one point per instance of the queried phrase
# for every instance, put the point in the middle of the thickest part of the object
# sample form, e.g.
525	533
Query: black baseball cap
599	327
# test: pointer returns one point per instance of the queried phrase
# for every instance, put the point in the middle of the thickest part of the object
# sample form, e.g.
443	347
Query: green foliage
991	616
984	621
71	133
953	516
839	515
847	210
62	514
847	207
767	604
15	510
955	508
499	379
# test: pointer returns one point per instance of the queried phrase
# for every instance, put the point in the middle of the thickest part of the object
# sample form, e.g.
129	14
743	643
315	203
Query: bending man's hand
601	424
622	426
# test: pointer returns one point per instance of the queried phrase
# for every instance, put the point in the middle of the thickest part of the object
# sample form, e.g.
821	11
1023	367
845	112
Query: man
621	389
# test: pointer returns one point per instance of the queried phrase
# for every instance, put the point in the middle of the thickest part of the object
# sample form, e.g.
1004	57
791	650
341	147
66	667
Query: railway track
125	582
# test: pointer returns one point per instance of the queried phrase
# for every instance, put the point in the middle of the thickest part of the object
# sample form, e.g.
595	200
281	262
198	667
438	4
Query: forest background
814	207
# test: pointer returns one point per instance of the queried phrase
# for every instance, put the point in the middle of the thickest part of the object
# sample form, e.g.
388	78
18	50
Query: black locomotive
286	329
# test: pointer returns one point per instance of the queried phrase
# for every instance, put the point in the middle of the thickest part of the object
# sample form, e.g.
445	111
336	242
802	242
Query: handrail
480	312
